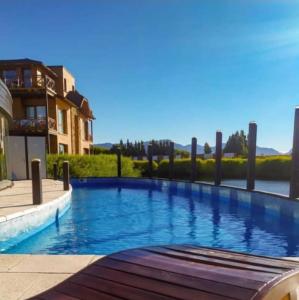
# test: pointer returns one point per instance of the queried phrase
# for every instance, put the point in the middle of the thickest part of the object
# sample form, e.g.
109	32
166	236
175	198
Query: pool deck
18	198
24	276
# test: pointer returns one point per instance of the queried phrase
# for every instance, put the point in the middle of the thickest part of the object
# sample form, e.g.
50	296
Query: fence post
55	171
251	156
150	160
66	175
37	191
193	159
118	162
294	182
218	157
171	160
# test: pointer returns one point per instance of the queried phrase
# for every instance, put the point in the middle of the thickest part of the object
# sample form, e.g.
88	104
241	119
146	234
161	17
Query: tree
207	148
237	143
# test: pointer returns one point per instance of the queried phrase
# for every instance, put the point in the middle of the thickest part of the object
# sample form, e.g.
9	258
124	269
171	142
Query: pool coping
4	218
18	226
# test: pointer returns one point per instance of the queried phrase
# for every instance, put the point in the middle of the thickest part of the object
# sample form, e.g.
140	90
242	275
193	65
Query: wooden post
55	171
37	192
118	162
294	183
193	159
171	160
66	175
218	157
150	160
251	156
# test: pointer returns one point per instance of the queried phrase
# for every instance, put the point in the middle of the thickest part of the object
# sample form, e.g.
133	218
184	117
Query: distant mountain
104	145
266	151
200	149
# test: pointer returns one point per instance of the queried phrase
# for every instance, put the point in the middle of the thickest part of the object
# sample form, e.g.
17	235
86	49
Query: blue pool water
106	217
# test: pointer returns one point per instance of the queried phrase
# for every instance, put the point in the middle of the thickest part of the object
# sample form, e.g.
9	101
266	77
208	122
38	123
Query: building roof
22	61
81	102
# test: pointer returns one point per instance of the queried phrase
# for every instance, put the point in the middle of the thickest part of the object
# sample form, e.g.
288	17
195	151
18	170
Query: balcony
37	126
33	82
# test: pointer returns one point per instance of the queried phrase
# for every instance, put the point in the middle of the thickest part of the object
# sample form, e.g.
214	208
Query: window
10	78
30	112
64	85
35	112
86	130
62	148
27	77
62	128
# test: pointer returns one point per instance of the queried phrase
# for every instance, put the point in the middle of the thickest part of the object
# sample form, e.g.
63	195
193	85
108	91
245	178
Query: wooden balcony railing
33	125
38	81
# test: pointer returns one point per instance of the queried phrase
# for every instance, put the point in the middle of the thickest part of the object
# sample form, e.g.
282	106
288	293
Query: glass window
30	112
62	148
10	74
36	112
62	121
10	78
27	77
86	130
40	112
64	85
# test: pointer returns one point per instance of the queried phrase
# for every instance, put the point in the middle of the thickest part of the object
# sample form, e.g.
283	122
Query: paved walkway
24	276
19	197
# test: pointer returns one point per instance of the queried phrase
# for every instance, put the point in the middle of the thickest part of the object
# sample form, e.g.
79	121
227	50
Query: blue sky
169	68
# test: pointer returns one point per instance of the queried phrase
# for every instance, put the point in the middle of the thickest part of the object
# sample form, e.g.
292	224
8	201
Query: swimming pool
108	215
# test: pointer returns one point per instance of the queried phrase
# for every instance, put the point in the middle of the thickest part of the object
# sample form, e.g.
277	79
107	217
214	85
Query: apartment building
46	103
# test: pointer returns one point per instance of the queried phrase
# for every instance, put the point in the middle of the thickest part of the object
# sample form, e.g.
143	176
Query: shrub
142	167
271	167
99	150
234	168
101	165
277	167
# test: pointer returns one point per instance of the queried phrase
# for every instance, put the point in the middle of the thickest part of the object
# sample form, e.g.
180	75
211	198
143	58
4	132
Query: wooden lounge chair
181	272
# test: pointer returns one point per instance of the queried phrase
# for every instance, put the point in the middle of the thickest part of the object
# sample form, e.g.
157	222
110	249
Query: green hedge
101	165
276	168
142	167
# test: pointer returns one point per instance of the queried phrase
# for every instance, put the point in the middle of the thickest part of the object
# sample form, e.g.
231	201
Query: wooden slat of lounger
236	256
105	284
179	279
245	278
216	262
158	286
173	272
53	295
81	292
